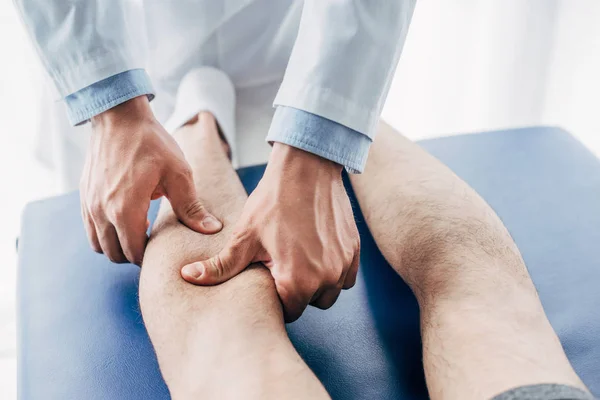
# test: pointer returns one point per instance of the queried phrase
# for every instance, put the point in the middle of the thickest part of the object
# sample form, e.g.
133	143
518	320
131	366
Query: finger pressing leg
216	342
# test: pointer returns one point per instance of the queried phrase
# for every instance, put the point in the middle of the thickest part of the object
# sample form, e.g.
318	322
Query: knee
461	247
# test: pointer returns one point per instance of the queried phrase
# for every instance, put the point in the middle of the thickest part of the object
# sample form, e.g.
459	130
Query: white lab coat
341	53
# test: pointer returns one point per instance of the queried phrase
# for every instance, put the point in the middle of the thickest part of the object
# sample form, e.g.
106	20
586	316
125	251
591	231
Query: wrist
303	162
135	108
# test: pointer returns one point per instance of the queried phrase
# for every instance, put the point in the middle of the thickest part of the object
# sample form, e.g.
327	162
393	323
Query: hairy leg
483	327
226	341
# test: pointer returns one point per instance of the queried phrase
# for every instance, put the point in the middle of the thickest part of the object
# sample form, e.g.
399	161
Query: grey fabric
545	392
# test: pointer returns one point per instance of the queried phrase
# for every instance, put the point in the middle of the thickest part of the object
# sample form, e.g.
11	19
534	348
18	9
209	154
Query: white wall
573	86
472	65
21	177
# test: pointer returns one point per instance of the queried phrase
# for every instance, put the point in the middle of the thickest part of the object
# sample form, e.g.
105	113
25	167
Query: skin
298	222
216	342
132	160
306	266
483	327
484	330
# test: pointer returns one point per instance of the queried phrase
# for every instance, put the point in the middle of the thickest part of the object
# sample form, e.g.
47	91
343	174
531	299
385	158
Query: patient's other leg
219	342
483	327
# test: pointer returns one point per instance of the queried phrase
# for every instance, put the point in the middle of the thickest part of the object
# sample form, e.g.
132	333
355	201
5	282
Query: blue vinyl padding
81	334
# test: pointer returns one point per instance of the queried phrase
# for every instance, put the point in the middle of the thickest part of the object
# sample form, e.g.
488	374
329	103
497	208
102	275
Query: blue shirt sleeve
320	136
107	93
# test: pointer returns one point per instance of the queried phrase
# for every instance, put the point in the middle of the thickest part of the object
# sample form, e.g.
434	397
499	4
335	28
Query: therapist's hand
299	223
131	160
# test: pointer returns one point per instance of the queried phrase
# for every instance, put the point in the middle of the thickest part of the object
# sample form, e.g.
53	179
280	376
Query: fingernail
211	223
192	270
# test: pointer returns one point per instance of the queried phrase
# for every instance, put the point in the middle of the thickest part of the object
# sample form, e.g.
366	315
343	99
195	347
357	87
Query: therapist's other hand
131	160
299	223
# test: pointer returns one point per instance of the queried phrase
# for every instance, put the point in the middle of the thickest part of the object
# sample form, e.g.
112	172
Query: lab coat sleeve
320	136
81	42
107	93
344	59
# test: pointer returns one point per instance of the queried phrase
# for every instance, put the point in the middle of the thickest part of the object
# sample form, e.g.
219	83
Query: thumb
232	260
186	206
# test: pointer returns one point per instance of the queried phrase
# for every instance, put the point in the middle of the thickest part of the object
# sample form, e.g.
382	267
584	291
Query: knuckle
130	255
291	314
331	281
117	213
331	300
138	256
356	253
241	233
349	284
290	304
239	243
218	267
186	172
195	209
308	290
349	252
350	280
183	171
137	259
96	210
114	258
331	278
239	237
324	305
285	288
296	289
118	208
95	247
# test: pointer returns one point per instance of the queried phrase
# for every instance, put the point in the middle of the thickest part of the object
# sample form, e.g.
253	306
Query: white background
468	65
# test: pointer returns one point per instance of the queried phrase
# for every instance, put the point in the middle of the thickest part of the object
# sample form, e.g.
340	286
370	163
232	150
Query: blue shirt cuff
320	136
107	93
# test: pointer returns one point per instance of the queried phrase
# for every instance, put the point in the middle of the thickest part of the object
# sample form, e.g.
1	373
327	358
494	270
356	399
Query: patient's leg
220	342
483	327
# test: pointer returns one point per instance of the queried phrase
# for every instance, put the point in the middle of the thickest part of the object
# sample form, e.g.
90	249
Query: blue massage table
81	334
